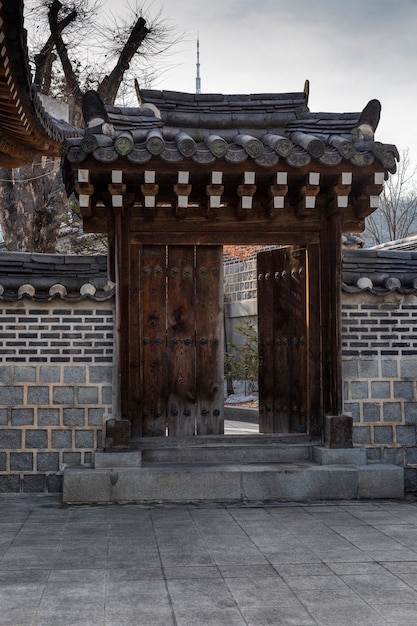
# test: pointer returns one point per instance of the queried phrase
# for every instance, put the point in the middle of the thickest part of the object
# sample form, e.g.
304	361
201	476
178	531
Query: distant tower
198	79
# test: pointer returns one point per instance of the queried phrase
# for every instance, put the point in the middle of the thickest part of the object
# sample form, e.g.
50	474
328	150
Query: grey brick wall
379	348
56	367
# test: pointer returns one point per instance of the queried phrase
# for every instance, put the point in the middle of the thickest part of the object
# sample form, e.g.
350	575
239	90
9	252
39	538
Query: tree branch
110	84
70	76
45	58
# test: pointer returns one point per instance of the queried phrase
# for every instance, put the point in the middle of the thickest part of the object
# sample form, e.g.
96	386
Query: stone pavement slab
326	563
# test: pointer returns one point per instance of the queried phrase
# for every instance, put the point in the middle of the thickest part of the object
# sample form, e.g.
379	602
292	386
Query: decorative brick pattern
379	347
55	334
56	367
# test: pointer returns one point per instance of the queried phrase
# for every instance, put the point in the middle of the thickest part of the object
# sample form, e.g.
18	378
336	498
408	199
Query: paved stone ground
344	563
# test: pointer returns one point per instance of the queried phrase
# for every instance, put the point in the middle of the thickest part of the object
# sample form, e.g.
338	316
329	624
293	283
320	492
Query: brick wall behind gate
56	367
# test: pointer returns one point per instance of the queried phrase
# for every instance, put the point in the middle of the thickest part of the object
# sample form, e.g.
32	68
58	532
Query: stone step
221	454
141	443
274	482
226	449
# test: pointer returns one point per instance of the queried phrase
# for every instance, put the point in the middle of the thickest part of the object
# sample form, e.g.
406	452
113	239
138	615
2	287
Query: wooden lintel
227	237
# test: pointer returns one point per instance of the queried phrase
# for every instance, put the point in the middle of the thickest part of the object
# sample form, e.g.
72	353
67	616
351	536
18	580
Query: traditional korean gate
181	334
289	370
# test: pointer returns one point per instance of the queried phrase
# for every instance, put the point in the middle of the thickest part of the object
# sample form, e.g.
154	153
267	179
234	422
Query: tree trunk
31	198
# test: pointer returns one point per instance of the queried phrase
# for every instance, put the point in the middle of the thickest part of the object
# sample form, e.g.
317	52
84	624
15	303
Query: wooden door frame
325	249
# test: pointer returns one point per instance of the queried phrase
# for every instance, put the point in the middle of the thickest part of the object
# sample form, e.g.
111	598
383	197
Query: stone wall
57	357
56	369
379	348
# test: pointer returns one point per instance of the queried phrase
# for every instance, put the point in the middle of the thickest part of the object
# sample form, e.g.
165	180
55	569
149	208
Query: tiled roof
407	243
379	271
44	277
265	128
174	126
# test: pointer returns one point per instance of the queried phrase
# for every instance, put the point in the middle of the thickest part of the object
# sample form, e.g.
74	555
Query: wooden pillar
337	427
315	332
331	270
124	371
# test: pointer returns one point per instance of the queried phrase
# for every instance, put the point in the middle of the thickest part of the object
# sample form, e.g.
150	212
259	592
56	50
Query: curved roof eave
26	129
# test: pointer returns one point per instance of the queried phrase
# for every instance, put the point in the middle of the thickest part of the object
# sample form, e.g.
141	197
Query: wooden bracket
86	189
277	192
246	193
182	191
117	189
368	202
214	195
149	191
245	203
308	200
342	190
308	193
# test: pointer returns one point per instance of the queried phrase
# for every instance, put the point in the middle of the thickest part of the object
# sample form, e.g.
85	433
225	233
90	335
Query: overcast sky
350	50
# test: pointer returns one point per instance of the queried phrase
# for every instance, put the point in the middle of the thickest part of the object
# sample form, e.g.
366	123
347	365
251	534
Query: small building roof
379	271
406	243
263	128
46	277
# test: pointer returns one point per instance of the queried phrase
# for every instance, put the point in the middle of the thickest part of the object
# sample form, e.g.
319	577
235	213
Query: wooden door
283	341
182	348
152	337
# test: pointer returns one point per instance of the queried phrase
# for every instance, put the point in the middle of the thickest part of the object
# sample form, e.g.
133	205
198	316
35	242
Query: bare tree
82	52
75	52
396	216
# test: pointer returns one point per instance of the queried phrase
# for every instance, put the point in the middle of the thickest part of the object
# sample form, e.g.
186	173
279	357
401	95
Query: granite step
301	481
227	449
